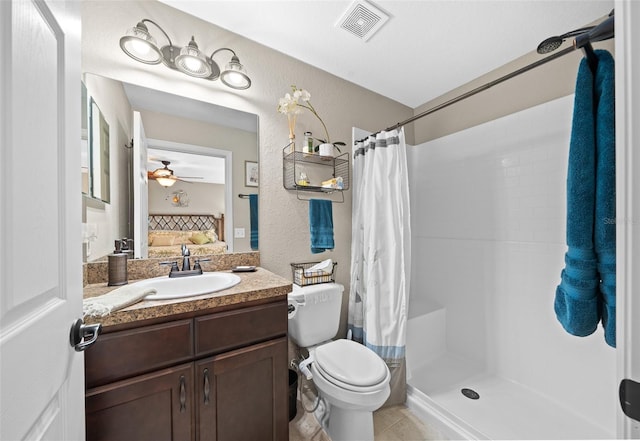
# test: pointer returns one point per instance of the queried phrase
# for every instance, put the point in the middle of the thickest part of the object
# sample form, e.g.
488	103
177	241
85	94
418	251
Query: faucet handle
173	264
196	265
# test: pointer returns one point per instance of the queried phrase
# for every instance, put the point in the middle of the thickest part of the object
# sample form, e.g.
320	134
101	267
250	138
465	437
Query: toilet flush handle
292	309
303	366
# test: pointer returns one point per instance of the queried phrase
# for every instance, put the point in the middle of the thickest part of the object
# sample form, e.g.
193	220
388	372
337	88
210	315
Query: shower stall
486	357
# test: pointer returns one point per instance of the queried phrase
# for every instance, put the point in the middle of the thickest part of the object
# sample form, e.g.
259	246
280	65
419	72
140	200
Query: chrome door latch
82	336
630	398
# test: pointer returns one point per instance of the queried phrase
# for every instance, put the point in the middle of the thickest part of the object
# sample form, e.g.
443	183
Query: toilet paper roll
292	308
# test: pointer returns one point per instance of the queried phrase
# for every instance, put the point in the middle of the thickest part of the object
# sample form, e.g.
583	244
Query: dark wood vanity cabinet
220	376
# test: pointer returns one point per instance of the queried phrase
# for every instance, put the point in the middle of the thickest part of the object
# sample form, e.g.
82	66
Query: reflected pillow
211	234
182	237
199	238
164	240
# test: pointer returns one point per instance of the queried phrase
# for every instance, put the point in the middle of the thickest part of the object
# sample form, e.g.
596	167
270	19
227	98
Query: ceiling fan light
192	61
162	173
140	45
235	75
166	181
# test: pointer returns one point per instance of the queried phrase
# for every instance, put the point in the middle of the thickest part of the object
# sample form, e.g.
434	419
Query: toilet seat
351	366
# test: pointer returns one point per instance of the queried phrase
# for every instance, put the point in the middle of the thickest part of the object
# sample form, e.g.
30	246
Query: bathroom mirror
194	137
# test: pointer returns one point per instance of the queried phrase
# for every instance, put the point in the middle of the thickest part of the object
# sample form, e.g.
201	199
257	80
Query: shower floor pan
504	409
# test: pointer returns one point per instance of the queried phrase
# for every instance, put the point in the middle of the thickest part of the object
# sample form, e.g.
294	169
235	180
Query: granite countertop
258	285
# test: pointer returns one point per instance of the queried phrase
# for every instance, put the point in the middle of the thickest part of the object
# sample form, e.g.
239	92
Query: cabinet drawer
216	333
127	353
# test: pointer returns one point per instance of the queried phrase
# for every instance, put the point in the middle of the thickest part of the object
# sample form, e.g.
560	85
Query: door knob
82	336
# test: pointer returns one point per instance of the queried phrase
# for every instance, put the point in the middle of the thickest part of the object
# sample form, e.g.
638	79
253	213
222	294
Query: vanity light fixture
140	45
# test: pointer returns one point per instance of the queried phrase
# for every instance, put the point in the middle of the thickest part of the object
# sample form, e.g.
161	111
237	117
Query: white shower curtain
381	252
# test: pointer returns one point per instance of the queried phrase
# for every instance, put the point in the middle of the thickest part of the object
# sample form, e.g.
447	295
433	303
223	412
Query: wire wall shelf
295	163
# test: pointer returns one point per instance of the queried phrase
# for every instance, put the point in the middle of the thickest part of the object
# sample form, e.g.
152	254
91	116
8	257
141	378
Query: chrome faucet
186	265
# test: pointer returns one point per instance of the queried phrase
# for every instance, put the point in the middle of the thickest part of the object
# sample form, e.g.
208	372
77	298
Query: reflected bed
202	233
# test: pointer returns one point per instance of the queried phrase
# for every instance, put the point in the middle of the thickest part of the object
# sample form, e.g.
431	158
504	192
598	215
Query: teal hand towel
321	225
586	293
577	300
253	218
604	234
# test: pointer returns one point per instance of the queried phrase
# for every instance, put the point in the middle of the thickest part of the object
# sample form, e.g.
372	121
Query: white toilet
351	379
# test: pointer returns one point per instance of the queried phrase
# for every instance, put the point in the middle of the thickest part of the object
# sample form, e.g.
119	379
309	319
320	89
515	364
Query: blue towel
253	218
579	303
321	225
604	235
576	302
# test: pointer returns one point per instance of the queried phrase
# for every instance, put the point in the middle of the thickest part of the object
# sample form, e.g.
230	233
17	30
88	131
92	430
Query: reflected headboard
187	222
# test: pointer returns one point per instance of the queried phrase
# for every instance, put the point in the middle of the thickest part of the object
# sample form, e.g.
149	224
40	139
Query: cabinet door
153	407
243	394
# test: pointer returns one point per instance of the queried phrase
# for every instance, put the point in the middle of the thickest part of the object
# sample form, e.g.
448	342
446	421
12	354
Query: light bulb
235	78
193	64
140	47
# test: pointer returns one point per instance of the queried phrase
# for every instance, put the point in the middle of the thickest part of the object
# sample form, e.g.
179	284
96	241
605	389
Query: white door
140	189
41	376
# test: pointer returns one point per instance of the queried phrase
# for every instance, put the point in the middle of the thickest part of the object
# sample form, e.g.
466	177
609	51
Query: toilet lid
351	363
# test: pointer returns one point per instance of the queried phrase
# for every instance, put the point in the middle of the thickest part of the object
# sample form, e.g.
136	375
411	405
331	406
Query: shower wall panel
488	225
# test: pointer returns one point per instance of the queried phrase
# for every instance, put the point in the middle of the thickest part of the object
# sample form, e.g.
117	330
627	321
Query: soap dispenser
118	265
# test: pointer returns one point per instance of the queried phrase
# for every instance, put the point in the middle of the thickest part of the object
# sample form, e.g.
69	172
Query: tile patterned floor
395	423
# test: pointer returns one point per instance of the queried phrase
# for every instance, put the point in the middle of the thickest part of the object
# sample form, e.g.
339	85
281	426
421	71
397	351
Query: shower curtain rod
603	31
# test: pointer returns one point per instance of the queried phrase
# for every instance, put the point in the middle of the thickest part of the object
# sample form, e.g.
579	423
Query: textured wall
203	199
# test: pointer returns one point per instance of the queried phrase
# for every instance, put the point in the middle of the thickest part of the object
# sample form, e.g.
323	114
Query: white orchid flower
290	106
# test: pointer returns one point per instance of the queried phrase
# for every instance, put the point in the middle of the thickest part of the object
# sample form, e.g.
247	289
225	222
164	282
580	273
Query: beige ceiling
425	49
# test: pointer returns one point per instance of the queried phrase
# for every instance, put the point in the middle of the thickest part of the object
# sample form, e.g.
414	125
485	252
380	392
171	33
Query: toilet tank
317	313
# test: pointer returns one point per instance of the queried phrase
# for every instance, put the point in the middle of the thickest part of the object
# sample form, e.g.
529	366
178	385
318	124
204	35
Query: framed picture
250	173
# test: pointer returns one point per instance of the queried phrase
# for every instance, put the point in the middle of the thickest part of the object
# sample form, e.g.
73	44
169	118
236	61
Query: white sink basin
173	288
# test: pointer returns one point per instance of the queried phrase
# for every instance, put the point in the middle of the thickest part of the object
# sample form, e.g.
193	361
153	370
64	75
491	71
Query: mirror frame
99	166
94	138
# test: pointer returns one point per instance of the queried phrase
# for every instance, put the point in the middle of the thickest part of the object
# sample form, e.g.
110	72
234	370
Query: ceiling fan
165	177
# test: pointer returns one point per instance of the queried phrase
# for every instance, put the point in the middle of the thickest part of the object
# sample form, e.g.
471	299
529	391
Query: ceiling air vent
362	20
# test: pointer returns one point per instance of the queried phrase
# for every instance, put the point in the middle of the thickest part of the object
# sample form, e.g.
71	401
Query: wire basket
303	277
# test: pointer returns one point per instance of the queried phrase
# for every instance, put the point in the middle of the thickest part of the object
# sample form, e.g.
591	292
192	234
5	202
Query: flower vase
326	149
291	117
